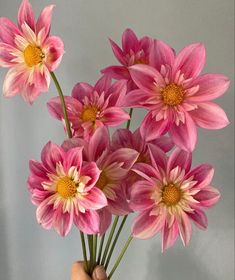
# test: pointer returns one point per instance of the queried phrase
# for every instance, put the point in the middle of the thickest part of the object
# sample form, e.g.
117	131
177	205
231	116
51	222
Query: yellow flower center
102	181
66	187
89	114
33	55
172	95
171	195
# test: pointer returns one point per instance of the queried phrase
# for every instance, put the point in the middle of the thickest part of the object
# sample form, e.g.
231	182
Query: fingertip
99	273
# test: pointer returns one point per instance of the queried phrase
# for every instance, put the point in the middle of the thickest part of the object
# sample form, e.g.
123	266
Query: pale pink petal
62	222
161	54
103	84
146	226
119	206
93	200
105	220
146	171
114	116
191	60
209	115
203	174
82	90
26	14
41	79
44	20
185	228
73	158
54	49
184	135
169	235
6	56
211	86
45	214
118	52
199	218
129	41
180	158
38	196
208	196
91	170
8	31
88	222
117	72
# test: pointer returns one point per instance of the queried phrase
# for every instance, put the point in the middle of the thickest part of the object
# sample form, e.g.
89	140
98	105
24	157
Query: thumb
99	273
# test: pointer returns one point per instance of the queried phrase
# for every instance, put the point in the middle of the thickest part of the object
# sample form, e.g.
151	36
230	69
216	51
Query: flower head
179	99
64	190
29	52
170	196
92	107
134	51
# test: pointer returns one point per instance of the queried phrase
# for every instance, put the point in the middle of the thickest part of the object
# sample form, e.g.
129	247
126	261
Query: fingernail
100	273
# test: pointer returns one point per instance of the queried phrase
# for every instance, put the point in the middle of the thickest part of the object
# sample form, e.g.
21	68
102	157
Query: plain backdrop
26	250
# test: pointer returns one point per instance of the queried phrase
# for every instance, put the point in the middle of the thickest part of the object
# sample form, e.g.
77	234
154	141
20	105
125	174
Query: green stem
61	95
101	248
90	242
94	250
129	121
120	257
115	241
84	250
109	239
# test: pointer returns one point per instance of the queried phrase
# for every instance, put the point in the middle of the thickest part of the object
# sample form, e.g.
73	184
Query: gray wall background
29	252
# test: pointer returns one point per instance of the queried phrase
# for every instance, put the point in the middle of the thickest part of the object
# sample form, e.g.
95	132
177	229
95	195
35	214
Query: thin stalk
90	242
120	257
109	239
129	121
115	241
94	251
101	248
84	250
61	95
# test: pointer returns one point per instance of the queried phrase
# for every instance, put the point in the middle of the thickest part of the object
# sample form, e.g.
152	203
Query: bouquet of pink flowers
93	178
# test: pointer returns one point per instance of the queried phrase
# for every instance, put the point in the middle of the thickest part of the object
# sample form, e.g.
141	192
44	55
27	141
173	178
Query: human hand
78	272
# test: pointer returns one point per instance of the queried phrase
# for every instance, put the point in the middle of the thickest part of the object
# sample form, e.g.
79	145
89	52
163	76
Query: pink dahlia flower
29	52
92	107
134	51
114	167
179	99
170	196
64	190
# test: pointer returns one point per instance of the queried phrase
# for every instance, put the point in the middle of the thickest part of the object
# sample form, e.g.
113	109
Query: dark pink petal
180	158
8	31
169	235
122	138
91	170
151	129
38	196
129	41
44	20
105	220
118	52
26	14
211	86
116	93
209	115
146	43
45	214
73	158
161	54
54	47
51	155
203	174
146	171
185	228
93	200
72	143
146	226
88	222
103	84
119	206
114	116
146	77
184	135
164	142
199	218
158	156
81	90
37	168
117	72
191	60
62	222
141	193
35	182
136	99
208	196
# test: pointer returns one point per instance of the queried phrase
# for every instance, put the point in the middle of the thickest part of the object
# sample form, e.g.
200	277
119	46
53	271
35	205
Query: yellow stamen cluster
66	187
172	94
33	55
89	114
171	194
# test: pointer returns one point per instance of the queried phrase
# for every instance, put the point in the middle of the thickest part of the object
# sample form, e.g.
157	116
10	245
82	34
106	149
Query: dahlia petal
203	174
199	218
37	169
180	158
191	60
26	14
41	80
118	52
103	84
129	41
6	57
158	156
136	98
185	134
116	93
73	158
164	142
8	31
146	226
141	193
38	196
88	222
81	90
114	116
45	214
146	77
209	115
208	196
185	228
146	171
211	86
13	82
105	220
44	20
119	206
62	222
72	143
93	200
145	43
91	170
117	72
161	54
54	48
169	235
151	129
122	138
